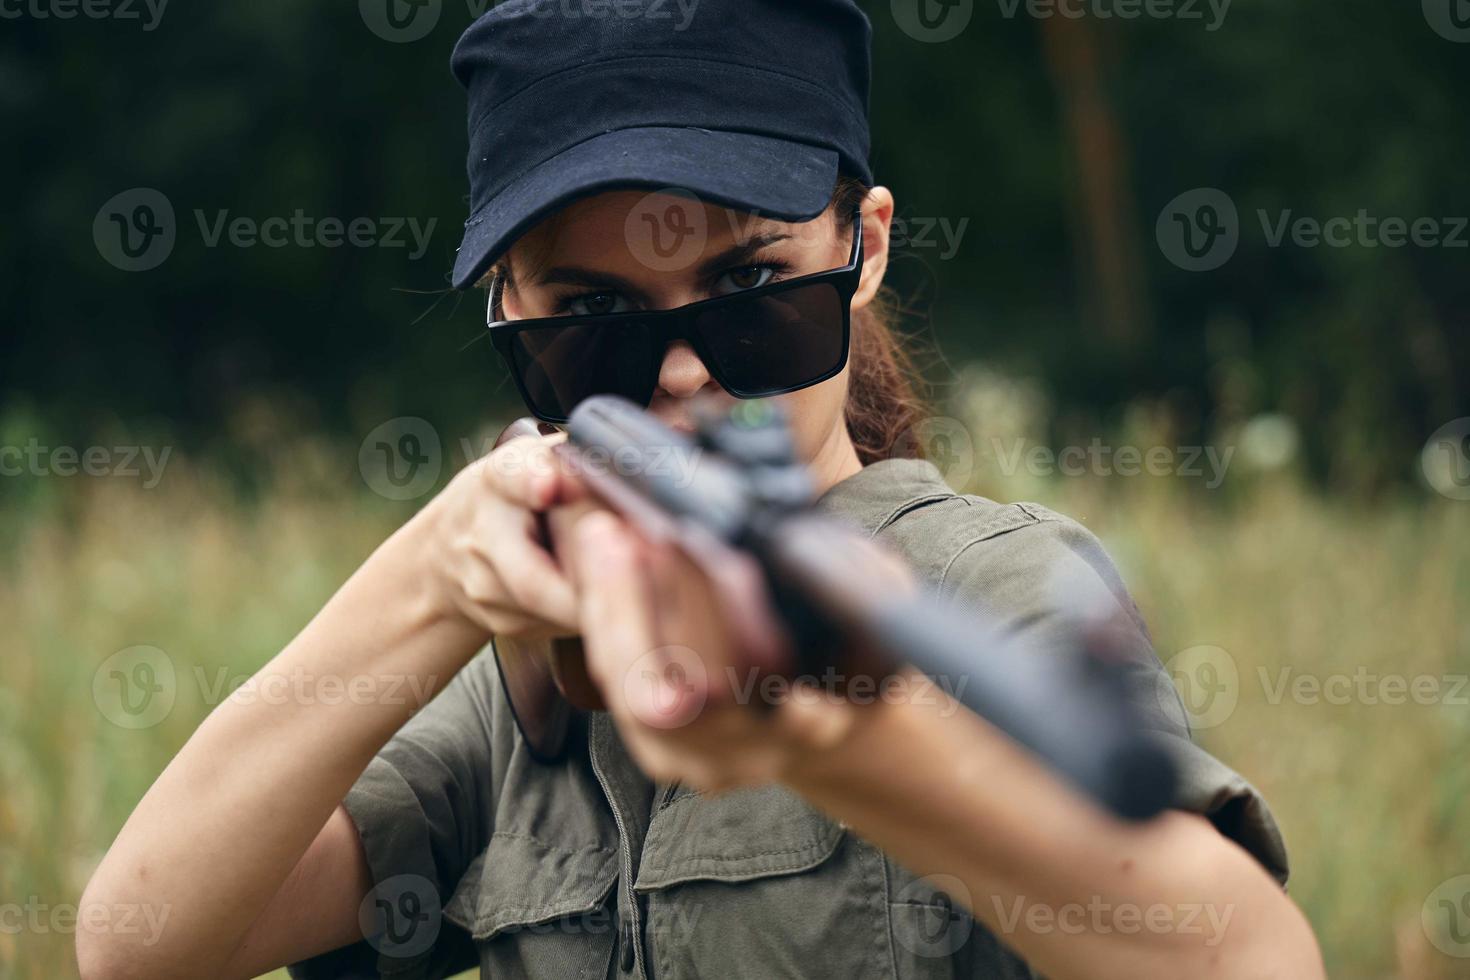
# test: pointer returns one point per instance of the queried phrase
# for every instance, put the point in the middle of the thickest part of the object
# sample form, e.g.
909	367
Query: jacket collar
880	492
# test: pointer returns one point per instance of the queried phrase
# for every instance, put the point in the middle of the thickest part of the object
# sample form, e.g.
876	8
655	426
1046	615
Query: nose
682	372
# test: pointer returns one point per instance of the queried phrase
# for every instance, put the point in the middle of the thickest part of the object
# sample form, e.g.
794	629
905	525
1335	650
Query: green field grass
1374	797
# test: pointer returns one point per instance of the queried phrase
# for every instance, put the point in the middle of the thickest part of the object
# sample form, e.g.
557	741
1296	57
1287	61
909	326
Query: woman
901	838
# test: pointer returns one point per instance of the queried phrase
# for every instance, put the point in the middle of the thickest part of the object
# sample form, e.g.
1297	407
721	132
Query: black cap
749	104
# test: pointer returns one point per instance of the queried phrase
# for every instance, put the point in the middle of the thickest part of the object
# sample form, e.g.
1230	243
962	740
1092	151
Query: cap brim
778	179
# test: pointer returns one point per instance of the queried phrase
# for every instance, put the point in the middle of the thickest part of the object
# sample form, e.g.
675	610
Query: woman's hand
687	703
494	568
262	780
939	790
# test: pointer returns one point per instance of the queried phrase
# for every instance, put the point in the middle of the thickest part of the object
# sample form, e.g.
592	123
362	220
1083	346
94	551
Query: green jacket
584	869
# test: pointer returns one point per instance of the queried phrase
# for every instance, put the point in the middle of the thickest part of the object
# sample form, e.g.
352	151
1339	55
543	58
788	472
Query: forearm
224	825
1073	891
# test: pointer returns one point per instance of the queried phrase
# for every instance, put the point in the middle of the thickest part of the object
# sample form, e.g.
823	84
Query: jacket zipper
631	926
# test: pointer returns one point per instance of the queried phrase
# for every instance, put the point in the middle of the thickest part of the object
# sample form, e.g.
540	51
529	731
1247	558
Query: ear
877	227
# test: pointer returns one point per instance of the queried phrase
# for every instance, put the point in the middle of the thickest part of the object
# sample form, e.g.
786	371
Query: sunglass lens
559	366
776	341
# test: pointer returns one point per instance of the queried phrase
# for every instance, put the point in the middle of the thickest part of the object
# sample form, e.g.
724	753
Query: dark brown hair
885	400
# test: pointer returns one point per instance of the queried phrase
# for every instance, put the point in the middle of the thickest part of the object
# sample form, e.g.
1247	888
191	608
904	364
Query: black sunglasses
756	343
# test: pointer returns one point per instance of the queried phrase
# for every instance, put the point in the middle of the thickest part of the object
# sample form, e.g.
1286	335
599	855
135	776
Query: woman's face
630	250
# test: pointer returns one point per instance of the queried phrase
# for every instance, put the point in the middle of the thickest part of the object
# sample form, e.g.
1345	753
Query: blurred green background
1043	165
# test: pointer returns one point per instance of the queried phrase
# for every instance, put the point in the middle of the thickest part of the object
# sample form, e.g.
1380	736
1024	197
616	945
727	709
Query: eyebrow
732	257
741	252
572	275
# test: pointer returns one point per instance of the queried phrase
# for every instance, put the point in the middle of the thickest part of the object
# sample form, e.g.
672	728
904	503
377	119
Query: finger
561	525
690	623
614	598
640	677
677	586
527	472
814	717
531	578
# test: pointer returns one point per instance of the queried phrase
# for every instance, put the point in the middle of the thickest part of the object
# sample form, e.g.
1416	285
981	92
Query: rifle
801	588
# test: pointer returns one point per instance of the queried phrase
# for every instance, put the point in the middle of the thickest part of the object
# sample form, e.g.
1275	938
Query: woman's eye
747	277
596	304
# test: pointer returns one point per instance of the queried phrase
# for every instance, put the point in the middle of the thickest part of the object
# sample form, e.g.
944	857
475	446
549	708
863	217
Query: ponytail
884	400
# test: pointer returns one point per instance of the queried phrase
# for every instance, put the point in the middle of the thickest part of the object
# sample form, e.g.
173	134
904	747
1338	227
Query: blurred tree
1058	140
1107	232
